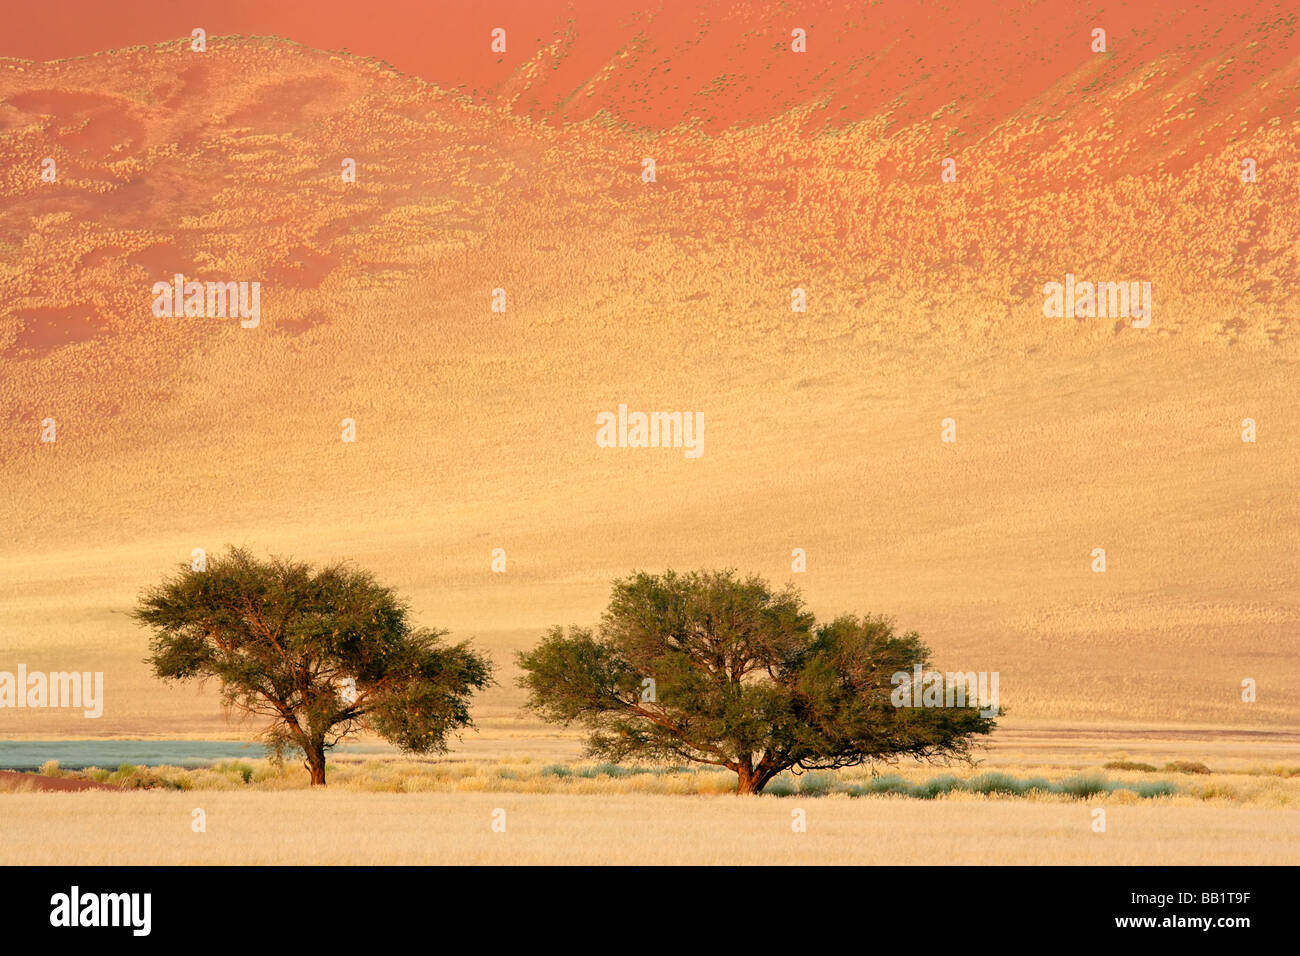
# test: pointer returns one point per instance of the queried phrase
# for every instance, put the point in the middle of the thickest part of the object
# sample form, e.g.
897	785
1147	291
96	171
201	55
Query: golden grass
340	827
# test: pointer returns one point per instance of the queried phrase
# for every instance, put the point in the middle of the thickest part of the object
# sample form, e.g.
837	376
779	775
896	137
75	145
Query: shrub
1130	765
889	783
989	783
610	770
1083	787
1154	788
937	787
782	786
128	776
235	768
1186	766
816	784
1037	785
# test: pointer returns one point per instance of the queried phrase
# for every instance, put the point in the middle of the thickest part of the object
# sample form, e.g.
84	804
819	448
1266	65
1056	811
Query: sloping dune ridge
774	170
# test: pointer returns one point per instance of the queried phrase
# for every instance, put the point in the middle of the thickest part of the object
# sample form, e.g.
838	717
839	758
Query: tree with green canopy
321	653
712	668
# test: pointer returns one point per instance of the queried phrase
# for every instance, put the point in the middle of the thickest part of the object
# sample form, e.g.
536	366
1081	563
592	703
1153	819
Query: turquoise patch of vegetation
615	770
1001	784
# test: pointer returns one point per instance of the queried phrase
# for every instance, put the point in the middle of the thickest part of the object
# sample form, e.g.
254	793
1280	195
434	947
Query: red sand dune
719	62
1138	144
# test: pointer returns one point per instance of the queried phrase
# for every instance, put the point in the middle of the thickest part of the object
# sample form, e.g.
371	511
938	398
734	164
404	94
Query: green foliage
1084	786
612	770
284	639
816	784
988	783
1002	784
782	786
742	677
887	783
1154	788
936	787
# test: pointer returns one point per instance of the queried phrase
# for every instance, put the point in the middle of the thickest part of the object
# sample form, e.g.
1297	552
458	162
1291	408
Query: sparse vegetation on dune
377	308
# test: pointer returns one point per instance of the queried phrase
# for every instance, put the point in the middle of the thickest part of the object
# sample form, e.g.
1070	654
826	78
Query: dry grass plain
1246	810
476	429
346	828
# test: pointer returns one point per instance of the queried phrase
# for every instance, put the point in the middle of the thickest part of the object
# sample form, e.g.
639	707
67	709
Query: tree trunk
753	779
316	762
749	781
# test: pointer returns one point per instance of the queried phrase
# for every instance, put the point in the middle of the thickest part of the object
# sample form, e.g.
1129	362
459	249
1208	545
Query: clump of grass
1084	786
937	787
235	768
782	786
1186	766
613	770
1277	771
126	775
556	770
815	784
1034	785
1214	790
50	769
1130	765
887	784
994	782
1154	788
130	777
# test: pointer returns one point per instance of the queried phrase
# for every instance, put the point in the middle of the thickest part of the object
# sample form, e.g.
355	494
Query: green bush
888	783
1154	788
610	770
989	783
782	786
937	787
815	784
1084	786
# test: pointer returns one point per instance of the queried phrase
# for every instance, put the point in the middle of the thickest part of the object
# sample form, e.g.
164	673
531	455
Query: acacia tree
711	668
323	654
